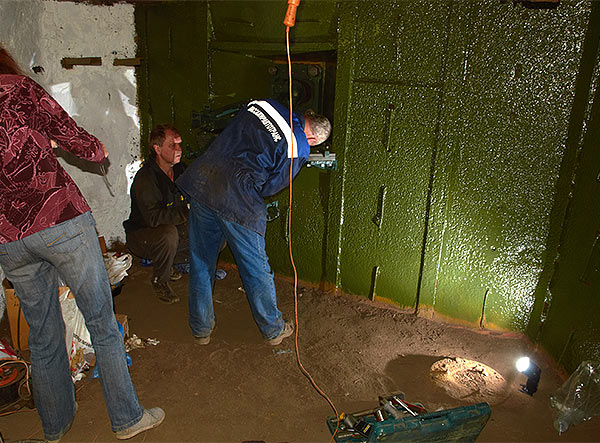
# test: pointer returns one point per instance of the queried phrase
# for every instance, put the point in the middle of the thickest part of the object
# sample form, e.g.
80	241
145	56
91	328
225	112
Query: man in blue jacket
226	186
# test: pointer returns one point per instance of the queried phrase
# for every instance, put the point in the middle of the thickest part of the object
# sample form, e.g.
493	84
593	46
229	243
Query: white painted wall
41	33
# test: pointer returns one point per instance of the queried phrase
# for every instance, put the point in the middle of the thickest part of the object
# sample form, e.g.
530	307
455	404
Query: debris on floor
282	351
134	342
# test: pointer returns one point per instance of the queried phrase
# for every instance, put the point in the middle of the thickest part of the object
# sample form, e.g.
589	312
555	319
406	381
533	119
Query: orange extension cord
302	369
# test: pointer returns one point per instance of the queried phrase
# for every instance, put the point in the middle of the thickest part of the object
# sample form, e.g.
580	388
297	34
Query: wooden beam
127	61
69	62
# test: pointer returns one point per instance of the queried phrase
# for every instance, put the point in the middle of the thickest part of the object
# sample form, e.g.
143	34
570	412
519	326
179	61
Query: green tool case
458	424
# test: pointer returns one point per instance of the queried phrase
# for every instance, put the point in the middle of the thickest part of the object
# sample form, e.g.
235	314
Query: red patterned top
35	191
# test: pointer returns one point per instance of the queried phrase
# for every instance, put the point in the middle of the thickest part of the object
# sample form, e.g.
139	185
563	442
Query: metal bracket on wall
374	275
482	318
387	127
378	218
69	62
307	85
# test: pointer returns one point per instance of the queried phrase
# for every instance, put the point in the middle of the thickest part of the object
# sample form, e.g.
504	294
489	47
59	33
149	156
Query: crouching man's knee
168	237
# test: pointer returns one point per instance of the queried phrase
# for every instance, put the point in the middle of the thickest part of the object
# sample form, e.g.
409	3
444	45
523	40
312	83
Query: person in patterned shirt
47	233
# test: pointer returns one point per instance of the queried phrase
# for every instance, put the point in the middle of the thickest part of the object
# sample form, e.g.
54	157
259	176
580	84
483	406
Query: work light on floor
532	372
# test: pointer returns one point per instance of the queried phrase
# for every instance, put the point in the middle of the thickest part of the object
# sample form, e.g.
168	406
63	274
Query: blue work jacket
248	161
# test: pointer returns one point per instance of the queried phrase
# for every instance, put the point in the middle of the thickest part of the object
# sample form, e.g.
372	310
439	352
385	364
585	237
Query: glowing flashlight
532	372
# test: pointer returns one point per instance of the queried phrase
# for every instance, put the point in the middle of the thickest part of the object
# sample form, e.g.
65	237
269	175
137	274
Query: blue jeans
34	264
207	232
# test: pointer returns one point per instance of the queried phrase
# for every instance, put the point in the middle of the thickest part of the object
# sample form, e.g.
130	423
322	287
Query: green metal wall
460	128
569	305
514	71
391	140
459	121
173	78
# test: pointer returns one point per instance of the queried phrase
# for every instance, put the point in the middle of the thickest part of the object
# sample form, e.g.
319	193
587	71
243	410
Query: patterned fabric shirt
35	191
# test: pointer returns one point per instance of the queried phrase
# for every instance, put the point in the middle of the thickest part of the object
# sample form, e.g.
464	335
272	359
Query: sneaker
202	340
151	419
288	329
175	275
164	292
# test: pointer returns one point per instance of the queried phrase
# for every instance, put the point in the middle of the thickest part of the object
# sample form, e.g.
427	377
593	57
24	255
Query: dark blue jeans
34	264
207	232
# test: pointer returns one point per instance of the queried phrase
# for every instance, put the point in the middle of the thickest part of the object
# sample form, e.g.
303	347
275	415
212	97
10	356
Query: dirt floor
238	388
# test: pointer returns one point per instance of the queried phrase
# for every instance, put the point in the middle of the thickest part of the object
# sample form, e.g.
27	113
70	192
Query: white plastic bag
77	336
578	399
117	267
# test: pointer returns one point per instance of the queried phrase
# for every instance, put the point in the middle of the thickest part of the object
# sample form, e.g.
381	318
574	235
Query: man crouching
157	226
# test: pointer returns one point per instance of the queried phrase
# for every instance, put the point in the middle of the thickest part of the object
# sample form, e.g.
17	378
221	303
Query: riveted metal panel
508	96
401	40
387	173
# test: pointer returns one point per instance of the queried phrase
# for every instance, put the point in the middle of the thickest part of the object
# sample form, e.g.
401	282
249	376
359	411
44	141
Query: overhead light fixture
532	372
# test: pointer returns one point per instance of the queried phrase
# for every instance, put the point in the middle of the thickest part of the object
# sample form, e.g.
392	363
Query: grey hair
319	125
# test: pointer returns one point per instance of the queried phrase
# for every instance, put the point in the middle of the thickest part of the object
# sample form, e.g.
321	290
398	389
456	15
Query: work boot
151	419
175	275
164	292
288	329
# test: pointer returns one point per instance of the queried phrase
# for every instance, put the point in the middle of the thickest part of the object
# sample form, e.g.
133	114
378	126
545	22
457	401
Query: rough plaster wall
41	33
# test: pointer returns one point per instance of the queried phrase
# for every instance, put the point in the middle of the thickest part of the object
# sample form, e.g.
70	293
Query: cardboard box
102	244
19	329
122	318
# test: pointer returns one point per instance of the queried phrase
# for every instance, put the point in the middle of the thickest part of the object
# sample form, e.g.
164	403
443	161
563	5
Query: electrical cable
289	21
15	411
24	382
